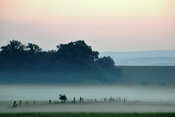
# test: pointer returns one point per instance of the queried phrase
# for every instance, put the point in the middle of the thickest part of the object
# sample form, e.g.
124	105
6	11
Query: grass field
87	114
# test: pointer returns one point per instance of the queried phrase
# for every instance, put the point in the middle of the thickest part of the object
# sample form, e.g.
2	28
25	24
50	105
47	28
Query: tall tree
77	49
14	50
106	63
76	54
33	48
13	46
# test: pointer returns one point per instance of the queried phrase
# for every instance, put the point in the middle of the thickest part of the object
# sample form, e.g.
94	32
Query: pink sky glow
106	25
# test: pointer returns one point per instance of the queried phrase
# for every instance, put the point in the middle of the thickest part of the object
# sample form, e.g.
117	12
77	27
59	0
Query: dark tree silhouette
62	97
14	50
78	49
33	48
76	55
106	63
13	46
74	62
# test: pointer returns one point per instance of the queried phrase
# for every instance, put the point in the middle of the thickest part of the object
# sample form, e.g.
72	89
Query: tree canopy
75	59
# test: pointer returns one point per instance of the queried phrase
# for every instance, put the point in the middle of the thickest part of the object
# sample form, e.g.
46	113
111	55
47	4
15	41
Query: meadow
87	107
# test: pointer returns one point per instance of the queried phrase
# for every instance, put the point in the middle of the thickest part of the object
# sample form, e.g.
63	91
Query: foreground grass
87	114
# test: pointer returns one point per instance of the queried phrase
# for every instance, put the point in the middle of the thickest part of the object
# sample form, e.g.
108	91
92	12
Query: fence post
14	104
20	102
80	99
49	101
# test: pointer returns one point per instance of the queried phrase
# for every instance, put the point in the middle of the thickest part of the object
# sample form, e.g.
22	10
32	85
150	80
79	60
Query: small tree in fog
63	98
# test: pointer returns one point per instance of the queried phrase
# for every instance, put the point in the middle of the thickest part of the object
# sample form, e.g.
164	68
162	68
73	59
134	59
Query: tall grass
87	114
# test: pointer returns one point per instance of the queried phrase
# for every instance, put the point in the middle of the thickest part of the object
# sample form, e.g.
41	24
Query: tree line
75	61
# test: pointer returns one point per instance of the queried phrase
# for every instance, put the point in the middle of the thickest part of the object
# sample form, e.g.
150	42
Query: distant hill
147	75
143	58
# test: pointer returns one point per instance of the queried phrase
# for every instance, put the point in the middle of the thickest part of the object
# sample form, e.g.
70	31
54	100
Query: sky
106	25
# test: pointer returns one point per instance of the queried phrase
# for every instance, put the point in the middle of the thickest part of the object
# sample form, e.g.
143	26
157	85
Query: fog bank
50	92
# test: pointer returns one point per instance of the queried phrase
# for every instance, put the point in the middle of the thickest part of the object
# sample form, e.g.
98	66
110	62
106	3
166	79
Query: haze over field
139	99
47	92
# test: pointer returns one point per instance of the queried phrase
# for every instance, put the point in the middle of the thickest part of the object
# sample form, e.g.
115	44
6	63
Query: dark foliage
94	114
63	98
74	62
